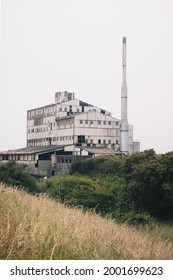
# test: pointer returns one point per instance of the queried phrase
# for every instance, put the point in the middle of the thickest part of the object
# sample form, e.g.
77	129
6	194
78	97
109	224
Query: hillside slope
38	228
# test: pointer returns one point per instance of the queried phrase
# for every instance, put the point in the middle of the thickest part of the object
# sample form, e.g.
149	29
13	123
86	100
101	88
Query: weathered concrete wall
46	168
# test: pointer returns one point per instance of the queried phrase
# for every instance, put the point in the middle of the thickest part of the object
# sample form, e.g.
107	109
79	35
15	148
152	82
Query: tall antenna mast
124	129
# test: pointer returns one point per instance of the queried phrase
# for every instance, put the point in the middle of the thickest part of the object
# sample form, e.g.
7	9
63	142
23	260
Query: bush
100	164
139	183
16	175
79	191
149	182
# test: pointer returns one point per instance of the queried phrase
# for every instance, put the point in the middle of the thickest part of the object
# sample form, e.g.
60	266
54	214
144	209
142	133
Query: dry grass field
39	228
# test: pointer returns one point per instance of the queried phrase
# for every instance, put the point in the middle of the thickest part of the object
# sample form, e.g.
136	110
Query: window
116	141
99	122
86	122
70	108
104	122
109	122
104	141
81	139
109	141
81	122
50	126
99	141
116	123
91	122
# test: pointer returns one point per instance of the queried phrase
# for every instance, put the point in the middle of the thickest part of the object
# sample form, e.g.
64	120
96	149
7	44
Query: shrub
100	164
16	175
149	182
79	191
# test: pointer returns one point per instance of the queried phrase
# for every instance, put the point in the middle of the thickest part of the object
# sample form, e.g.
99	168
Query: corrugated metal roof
33	150
47	149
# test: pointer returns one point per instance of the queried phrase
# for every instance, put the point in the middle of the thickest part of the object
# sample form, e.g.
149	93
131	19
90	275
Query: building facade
70	121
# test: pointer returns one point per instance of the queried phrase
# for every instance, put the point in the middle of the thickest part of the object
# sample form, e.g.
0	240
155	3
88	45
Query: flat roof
97	150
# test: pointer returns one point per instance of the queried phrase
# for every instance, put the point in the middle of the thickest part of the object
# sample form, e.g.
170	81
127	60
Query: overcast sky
76	45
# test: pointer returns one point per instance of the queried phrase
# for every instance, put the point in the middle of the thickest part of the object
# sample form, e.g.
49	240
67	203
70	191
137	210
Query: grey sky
76	45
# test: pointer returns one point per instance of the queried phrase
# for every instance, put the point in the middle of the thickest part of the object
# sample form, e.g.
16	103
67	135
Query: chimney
124	127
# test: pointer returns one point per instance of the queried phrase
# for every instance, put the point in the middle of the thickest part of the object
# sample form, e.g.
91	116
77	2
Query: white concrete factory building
72	122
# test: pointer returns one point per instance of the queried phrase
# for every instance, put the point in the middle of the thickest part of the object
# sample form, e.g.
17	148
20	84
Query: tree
149	182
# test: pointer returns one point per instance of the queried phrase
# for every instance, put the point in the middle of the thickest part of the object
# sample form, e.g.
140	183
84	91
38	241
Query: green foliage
130	188
141	182
149	182
101	165
79	191
139	219
16	175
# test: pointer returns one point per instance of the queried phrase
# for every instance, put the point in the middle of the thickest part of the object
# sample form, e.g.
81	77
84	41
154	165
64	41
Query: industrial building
70	129
70	121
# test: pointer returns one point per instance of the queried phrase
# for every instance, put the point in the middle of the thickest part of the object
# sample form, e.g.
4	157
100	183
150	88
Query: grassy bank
38	228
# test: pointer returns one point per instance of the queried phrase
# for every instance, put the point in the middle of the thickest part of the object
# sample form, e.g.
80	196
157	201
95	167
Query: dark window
50	125
81	139
70	108
4	157
99	141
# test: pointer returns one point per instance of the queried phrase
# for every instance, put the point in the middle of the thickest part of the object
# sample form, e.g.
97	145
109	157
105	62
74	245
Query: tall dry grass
38	228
